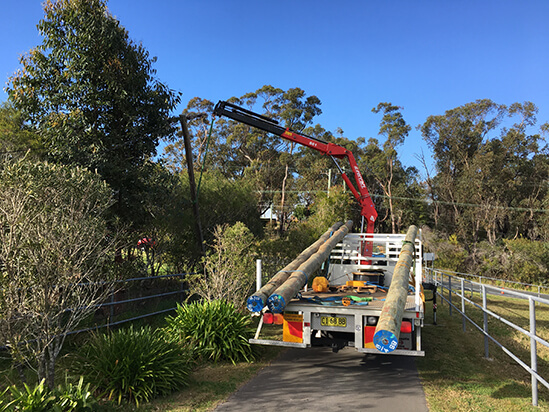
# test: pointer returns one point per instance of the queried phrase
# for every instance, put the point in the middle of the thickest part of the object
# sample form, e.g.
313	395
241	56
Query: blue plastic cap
276	303
255	304
385	341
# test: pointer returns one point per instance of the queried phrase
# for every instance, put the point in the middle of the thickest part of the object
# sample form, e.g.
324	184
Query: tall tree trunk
283	198
393	223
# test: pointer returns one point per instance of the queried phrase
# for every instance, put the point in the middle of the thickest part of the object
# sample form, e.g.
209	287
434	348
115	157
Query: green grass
457	377
211	384
454	372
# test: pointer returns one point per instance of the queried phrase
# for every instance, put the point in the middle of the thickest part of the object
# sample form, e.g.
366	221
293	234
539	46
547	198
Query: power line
427	201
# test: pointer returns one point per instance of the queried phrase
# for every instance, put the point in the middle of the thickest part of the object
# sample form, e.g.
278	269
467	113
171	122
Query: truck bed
376	303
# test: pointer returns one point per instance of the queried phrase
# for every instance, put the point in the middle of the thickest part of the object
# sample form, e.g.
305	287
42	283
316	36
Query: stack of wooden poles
289	281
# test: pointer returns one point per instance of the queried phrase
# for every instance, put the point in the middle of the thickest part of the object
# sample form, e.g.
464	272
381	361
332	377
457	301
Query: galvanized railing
462	289
540	289
112	302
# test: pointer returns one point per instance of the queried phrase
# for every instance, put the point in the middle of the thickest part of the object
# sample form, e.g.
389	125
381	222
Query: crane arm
361	194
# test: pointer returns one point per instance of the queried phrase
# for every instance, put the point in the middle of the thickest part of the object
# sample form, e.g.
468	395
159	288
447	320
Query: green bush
39	398
3	400
229	266
450	254
134	365
76	397
216	330
528	260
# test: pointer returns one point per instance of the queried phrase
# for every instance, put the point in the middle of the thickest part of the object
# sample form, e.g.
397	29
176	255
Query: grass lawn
457	377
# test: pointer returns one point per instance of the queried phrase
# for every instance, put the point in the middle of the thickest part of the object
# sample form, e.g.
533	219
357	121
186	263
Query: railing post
462	303
439	288
533	351
485	307
112	306
450	293
258	279
471	285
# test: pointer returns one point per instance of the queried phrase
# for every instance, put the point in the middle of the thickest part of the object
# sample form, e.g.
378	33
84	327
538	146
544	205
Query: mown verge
457	377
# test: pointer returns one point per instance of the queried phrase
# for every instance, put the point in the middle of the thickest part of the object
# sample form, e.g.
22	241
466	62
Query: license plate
333	321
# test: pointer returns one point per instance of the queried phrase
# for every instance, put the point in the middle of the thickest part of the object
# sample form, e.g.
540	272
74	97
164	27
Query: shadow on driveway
315	379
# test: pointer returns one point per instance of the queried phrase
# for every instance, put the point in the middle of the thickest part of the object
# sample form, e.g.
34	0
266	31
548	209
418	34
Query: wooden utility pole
190	168
388	326
299	277
258	300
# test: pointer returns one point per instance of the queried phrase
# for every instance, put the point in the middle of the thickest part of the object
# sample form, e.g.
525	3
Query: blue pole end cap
385	341
255	304
276	303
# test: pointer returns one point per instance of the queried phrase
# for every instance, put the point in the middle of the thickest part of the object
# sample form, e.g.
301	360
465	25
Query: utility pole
190	168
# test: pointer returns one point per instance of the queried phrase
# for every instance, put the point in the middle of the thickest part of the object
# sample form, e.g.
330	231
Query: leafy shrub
216	330
528	259
4	400
450	254
135	365
40	398
76	397
228	267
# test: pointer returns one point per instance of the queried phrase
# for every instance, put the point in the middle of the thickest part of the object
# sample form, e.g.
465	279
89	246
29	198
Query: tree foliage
53	247
91	94
16	138
239	151
487	185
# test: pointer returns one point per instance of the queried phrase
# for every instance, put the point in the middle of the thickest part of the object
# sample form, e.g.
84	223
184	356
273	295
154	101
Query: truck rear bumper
403	352
278	343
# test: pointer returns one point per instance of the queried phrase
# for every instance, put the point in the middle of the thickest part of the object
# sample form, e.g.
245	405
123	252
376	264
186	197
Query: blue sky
427	56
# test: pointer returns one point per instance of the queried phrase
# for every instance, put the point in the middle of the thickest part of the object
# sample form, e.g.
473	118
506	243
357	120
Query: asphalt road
315	379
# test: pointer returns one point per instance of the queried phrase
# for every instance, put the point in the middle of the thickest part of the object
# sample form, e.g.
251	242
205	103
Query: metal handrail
112	303
480	277
437	276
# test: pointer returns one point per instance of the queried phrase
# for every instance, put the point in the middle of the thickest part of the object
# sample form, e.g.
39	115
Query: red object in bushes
146	242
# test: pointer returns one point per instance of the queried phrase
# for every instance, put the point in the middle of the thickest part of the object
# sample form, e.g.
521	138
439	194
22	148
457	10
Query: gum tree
91	93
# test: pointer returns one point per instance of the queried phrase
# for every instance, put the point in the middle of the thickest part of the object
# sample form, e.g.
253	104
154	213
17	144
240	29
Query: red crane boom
361	194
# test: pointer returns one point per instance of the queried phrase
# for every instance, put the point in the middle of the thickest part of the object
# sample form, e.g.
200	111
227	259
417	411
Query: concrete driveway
315	379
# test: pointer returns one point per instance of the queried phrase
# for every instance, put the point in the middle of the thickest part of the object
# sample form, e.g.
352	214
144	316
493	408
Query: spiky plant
215	329
134	365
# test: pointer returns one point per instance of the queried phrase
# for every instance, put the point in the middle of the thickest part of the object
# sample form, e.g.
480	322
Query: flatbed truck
347	314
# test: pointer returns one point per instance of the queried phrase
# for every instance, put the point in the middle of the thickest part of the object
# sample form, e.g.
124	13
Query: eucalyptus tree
244	153
91	94
455	138
490	180
384	162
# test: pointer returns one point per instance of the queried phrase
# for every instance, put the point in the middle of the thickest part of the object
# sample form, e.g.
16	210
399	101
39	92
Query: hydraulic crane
361	194
358	312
